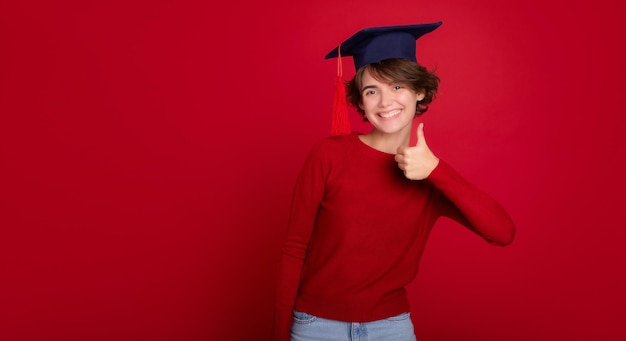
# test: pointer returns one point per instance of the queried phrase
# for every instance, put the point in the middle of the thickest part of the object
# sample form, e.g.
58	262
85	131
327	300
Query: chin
391	131
393	128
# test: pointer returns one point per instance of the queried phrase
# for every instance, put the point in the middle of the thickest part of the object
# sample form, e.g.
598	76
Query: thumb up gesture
419	161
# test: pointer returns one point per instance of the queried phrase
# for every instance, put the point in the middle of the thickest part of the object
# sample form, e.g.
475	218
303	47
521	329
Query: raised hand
419	161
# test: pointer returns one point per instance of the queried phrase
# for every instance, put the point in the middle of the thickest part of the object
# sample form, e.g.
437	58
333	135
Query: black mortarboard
374	44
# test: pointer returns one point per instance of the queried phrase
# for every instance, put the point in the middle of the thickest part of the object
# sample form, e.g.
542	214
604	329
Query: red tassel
340	124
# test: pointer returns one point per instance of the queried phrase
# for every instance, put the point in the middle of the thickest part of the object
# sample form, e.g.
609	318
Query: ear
420	96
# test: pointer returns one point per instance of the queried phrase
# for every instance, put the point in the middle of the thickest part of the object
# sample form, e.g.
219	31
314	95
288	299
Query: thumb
421	140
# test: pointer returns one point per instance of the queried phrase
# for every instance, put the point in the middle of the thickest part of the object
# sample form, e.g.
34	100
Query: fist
419	161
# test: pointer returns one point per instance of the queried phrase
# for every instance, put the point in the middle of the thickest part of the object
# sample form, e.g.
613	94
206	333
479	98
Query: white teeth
390	114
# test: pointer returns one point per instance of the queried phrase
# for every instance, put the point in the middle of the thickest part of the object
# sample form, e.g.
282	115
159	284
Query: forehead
374	78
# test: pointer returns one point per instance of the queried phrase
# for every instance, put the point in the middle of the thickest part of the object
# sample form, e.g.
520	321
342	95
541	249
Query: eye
369	92
397	87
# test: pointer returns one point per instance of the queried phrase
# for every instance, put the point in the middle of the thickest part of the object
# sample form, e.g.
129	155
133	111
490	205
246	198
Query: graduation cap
372	45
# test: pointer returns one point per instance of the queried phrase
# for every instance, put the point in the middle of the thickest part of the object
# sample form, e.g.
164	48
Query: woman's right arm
306	198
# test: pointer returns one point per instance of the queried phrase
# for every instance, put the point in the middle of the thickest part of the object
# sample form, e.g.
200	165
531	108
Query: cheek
366	103
409	98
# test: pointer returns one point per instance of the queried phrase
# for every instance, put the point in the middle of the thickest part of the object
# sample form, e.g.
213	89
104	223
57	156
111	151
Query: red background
149	150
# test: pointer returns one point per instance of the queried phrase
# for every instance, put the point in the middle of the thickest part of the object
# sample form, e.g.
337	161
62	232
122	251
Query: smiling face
389	106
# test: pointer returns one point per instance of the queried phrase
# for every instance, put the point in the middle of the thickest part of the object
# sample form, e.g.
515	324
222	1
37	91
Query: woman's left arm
473	207
467	204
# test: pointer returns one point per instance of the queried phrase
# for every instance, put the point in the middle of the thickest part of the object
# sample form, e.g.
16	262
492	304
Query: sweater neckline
369	151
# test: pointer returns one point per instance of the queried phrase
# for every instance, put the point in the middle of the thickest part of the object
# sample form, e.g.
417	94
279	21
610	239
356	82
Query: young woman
364	204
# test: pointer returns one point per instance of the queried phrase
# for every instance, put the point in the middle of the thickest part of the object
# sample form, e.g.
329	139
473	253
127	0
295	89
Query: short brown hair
403	71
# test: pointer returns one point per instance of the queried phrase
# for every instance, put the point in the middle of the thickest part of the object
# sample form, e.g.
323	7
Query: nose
386	98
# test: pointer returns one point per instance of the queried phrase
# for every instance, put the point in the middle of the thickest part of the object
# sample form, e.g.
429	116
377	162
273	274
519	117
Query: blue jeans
307	327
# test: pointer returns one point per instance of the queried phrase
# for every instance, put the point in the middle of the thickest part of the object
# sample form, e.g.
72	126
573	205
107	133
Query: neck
387	143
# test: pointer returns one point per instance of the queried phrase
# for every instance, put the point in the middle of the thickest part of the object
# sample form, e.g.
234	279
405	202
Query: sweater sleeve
472	207
307	196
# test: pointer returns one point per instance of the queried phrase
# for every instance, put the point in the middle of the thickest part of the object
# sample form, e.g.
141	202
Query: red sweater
357	229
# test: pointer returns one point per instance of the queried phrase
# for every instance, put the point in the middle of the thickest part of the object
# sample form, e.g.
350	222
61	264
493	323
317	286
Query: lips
389	114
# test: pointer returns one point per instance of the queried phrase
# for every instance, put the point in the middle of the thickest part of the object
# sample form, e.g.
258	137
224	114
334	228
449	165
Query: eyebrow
369	87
